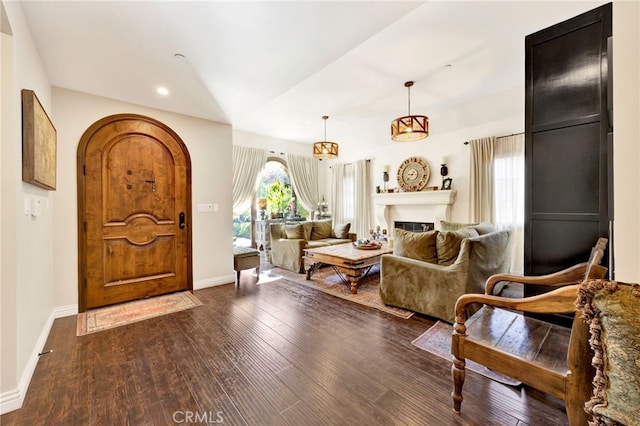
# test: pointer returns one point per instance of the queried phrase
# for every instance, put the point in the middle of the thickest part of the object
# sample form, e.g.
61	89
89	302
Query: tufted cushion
294	232
448	244
321	229
612	310
415	245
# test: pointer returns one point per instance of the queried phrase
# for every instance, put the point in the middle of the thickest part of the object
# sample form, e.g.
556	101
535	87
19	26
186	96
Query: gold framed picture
39	140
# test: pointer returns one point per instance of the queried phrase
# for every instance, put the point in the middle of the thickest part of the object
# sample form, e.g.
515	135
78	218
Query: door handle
181	222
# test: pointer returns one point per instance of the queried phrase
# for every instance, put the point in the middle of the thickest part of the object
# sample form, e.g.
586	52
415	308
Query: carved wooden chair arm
572	275
560	300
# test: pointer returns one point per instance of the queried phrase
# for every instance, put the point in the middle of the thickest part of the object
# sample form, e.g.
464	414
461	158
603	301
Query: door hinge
84	169
85	283
85	226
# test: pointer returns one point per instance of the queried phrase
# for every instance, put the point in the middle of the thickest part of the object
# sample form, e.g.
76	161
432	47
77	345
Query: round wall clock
413	174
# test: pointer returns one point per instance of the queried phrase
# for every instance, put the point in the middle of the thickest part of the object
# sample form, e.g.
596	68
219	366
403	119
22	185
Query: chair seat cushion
239	251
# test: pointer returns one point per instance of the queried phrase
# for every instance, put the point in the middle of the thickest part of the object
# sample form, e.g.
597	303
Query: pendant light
325	149
410	127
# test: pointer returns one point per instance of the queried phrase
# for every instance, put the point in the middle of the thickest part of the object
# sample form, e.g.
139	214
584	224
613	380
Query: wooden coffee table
350	263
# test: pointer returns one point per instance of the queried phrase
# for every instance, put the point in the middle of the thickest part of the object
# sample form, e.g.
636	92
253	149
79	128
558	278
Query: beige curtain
303	172
247	165
339	208
362	204
481	180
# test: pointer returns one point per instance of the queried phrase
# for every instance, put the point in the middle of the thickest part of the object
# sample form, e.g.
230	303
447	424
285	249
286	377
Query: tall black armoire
568	142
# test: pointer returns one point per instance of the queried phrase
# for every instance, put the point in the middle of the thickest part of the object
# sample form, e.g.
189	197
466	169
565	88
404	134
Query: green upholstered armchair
432	284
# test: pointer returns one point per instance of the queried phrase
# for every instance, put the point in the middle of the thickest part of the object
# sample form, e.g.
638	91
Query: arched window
275	187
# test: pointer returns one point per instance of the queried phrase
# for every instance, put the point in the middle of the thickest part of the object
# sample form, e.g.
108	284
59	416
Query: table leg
314	267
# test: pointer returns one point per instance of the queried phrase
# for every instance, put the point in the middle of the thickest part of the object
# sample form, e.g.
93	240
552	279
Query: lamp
410	127
325	149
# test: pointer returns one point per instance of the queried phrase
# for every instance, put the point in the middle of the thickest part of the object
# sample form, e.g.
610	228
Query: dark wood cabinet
567	129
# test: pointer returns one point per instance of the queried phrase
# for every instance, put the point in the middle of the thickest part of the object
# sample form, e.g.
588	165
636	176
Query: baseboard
13	399
212	282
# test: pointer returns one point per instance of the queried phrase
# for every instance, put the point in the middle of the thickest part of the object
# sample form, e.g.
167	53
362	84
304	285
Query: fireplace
415	226
422	207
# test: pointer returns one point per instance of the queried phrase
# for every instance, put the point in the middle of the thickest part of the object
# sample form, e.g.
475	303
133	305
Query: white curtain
303	172
361	192
509	194
247	165
481	180
339	204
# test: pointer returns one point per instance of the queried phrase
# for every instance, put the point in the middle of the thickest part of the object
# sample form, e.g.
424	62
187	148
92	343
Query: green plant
278	196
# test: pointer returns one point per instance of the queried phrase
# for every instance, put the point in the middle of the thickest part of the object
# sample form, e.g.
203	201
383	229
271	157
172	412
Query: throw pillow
307	229
321	230
415	245
448	244
294	232
341	231
454	226
484	228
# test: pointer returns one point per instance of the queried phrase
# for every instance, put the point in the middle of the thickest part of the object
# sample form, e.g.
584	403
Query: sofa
428	271
288	240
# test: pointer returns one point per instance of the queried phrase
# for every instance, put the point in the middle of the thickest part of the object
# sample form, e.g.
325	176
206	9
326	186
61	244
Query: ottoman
245	258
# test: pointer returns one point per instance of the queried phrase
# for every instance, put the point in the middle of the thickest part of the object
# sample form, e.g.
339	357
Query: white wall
626	157
209	144
27	242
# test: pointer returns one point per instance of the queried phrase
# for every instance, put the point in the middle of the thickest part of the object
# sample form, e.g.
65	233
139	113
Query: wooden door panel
566	73
133	191
564	175
140	178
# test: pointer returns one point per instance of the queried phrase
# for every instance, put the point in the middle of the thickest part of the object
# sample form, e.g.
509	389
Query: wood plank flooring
275	353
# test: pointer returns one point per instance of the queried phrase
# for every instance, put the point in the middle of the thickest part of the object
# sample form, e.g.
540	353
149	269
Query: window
275	186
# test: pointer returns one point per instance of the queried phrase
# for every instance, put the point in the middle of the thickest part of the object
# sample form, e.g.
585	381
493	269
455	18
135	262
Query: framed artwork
446	184
39	140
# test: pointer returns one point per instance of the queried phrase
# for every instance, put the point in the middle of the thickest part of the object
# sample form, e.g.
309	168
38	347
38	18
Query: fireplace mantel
424	206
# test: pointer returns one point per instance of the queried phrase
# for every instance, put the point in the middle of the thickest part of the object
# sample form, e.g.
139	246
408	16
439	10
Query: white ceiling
274	68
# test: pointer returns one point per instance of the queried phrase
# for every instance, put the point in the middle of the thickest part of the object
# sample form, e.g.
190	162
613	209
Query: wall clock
413	174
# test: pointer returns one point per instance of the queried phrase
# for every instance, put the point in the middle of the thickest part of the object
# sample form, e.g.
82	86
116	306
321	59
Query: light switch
27	206
36	207
205	208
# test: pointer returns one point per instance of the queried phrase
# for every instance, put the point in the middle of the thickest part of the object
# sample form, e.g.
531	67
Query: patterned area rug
437	340
327	280
100	319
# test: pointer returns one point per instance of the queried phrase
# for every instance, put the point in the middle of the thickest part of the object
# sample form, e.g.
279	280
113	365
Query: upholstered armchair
429	281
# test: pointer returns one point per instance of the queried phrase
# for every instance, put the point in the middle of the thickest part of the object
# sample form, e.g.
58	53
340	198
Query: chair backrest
597	253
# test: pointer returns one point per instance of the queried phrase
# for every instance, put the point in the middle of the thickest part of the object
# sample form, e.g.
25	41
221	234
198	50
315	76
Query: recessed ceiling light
162	91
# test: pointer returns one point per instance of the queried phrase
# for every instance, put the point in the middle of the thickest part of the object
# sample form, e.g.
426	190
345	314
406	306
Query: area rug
327	280
437	340
100	319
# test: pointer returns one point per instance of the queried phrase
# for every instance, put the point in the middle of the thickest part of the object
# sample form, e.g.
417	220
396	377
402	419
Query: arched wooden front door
134	211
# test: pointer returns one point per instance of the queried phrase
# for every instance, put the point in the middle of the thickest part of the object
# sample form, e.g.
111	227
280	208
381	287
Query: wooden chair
548	357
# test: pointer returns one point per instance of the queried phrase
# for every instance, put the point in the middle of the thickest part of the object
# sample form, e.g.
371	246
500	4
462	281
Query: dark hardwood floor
270	354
